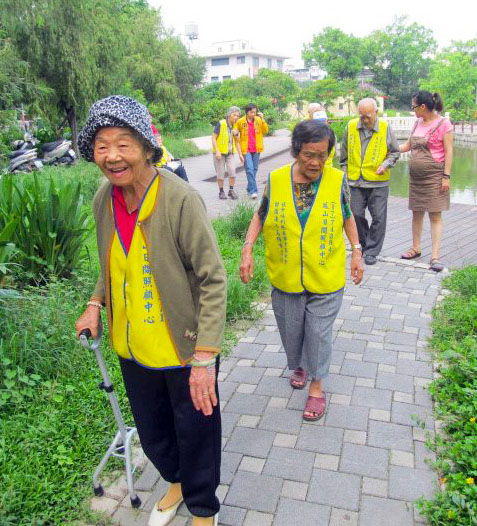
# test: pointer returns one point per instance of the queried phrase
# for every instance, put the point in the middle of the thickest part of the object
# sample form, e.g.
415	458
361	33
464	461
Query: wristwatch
357	246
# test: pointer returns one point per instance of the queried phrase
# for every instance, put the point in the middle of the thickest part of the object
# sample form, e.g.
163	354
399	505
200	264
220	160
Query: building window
256	61
340	106
231	47
214	79
243	46
219	49
280	64
241	60
269	63
226	77
222	61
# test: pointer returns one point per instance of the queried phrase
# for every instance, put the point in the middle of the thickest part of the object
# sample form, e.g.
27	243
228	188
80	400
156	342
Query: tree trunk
71	116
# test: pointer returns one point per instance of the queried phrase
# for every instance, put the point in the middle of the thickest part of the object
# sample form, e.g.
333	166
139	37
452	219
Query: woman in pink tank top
431	146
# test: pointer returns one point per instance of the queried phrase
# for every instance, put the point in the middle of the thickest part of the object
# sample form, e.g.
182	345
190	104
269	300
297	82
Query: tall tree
338	53
75	47
399	56
160	65
454	76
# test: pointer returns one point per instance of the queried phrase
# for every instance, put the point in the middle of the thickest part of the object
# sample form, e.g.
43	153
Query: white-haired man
368	150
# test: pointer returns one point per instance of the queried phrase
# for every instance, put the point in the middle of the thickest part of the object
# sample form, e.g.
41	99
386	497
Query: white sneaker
254	195
161	518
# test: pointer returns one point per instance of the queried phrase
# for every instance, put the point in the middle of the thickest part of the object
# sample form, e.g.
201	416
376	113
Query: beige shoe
162	517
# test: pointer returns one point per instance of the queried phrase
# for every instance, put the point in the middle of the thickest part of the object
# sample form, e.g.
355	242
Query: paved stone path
364	463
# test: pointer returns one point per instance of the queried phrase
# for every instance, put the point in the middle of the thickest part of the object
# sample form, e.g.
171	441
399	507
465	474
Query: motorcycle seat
17	153
50	146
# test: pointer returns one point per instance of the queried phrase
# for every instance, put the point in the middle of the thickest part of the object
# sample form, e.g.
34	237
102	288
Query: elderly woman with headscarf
225	142
163	284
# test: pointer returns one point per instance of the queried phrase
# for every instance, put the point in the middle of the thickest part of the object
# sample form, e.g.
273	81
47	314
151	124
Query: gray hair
368	100
233	109
314	106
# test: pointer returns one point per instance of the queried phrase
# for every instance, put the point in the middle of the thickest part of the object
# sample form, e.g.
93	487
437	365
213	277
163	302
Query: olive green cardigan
185	260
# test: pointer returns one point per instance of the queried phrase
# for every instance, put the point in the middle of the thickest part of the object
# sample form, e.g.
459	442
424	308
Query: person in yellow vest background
251	128
317	112
368	151
225	142
303	212
163	284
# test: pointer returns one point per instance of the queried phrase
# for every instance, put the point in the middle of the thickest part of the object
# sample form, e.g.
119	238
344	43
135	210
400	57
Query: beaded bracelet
94	303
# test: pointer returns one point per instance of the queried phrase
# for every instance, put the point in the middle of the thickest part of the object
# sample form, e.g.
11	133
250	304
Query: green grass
180	148
55	424
455	392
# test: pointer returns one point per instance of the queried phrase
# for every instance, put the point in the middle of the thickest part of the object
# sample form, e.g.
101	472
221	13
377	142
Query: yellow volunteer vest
140	330
309	258
223	139
166	156
373	158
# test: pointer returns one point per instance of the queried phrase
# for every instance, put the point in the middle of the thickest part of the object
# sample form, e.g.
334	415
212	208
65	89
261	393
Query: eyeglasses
416	106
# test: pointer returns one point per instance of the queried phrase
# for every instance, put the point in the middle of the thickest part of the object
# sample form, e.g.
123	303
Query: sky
276	27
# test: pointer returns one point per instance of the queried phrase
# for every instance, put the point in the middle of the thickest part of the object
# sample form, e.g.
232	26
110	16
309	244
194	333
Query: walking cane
121	445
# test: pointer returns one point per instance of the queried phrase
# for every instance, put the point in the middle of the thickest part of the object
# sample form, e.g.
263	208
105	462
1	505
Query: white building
305	74
234	58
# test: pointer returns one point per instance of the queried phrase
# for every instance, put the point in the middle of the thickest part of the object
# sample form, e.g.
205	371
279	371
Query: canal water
463	181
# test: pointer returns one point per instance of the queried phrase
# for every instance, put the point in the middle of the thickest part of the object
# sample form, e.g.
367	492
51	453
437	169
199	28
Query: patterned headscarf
121	112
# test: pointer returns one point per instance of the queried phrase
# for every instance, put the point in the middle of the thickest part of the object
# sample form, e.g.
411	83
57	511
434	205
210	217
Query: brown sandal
315	405
411	253
298	378
436	265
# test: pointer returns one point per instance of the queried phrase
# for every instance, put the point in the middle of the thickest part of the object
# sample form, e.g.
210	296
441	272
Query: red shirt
252	142
125	222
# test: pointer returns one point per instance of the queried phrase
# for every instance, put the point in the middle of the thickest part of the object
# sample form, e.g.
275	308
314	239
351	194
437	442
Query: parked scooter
58	152
25	157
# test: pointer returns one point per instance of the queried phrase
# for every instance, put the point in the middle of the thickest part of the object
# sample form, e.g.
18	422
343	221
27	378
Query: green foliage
399	55
270	90
179	147
230	233
339	126
86	51
52	224
7	248
339	54
455	393
454	76
327	90
55	424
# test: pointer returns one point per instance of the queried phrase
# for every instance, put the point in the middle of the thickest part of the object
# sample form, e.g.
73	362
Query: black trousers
183	444
375	200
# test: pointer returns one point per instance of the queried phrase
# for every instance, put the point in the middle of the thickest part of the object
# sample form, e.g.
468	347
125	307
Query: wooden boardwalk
459	241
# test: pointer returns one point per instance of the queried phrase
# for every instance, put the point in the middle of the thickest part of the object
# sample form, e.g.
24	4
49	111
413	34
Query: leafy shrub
230	233
55	423
52	226
455	393
339	126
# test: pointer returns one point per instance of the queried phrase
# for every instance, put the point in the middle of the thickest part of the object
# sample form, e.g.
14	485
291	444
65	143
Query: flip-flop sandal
315	405
436	265
298	378
412	253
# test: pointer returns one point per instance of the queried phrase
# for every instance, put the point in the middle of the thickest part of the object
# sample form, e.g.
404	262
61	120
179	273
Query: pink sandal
298	378
315	405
